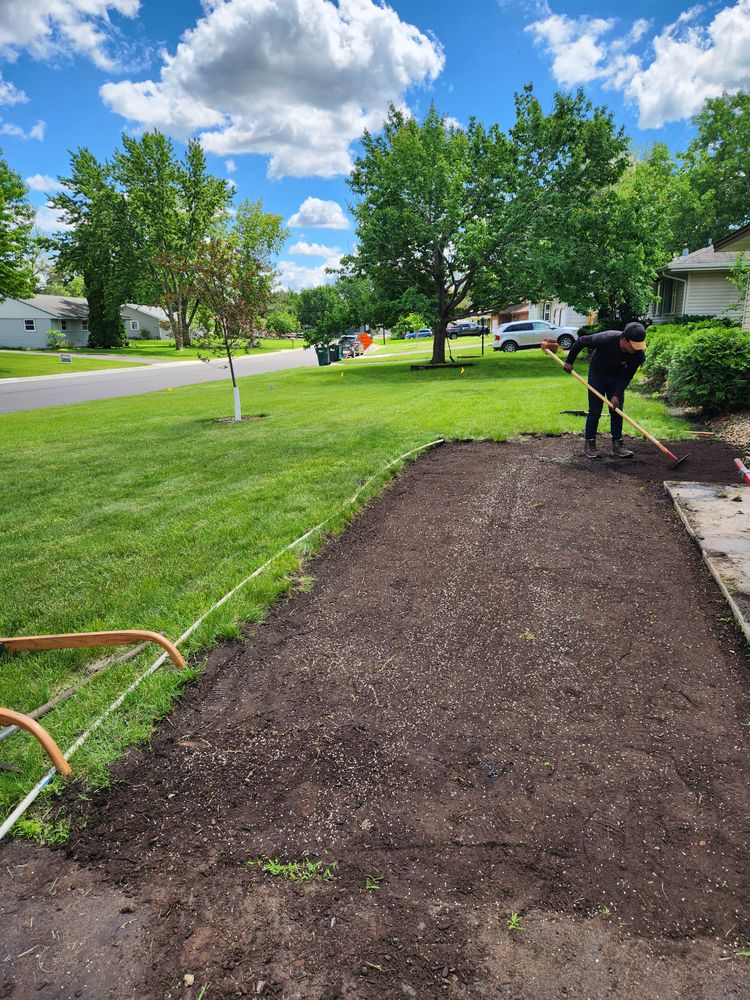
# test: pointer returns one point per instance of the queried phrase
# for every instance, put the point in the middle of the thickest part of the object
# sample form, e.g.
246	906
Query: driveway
57	390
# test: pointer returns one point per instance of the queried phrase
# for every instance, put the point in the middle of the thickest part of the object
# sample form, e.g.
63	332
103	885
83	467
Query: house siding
710	293
12	332
149	328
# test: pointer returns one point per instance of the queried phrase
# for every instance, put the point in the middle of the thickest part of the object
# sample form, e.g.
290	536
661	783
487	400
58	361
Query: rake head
679	461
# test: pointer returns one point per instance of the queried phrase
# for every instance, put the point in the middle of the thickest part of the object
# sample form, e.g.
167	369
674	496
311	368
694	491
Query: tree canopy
16	242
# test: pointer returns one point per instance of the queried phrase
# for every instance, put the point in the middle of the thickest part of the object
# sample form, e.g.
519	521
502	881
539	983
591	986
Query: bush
663	341
56	340
711	371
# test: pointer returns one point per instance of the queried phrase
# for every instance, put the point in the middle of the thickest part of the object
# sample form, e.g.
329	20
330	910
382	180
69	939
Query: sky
278	91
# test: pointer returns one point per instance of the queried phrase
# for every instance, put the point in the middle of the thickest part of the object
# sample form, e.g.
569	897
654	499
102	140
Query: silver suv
520	334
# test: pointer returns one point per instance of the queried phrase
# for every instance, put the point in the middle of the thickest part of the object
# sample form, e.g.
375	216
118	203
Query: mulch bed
513	688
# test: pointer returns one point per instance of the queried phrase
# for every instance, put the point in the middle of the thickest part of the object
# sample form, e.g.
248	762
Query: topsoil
512	689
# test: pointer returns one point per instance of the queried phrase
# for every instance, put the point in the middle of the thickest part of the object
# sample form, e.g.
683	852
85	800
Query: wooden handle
10	718
78	640
642	430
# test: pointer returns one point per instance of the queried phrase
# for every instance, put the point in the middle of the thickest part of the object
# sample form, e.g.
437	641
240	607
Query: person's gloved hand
615	401
568	368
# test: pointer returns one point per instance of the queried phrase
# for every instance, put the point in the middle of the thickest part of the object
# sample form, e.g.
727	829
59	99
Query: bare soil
512	688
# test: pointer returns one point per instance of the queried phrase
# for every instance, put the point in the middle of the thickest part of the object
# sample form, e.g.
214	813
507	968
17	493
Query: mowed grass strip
142	512
25	365
164	350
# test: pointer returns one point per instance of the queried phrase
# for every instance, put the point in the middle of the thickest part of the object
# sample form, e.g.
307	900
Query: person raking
615	360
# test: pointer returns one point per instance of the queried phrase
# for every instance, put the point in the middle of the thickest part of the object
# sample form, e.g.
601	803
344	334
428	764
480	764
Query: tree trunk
187	339
438	342
235	389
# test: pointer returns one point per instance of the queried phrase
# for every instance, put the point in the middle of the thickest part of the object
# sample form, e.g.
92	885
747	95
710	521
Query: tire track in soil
478	703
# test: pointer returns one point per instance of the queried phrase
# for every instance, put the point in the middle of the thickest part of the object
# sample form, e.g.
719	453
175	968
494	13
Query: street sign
67	359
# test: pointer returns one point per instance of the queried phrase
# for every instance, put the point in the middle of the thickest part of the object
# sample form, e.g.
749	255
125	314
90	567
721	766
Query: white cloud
10	94
35	132
230	166
295	80
45	28
328	254
688	61
43	182
48	220
297	276
315	213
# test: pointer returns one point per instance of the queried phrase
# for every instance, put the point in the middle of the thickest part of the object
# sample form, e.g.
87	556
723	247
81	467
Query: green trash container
324	356
333	352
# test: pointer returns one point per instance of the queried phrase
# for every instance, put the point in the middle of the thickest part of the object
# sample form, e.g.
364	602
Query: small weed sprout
296	871
514	923
372	882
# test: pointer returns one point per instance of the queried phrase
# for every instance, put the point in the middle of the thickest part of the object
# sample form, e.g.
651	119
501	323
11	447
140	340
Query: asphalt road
57	390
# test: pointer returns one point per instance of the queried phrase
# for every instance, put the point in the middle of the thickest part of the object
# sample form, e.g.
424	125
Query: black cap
635	332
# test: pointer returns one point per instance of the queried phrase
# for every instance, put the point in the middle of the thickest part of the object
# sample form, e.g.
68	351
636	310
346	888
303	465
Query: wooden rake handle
10	718
642	430
78	640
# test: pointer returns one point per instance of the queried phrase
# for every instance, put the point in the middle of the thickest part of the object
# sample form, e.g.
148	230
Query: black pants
608	385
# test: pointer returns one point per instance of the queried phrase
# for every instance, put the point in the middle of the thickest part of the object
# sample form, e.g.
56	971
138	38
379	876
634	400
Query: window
84	324
668	296
29	325
63	324
546	312
520	327
134	324
541	325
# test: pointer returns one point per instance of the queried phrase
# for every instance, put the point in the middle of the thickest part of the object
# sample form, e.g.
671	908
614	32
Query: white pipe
24	804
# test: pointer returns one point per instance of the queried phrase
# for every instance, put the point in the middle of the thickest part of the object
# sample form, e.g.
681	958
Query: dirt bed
512	688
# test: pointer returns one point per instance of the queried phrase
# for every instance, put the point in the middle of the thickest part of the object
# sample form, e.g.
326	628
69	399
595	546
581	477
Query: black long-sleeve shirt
608	357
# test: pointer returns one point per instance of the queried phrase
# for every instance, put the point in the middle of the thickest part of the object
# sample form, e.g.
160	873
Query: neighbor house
739	242
697	284
29	322
553	310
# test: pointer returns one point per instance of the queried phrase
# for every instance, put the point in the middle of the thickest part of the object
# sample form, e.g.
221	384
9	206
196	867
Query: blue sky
278	90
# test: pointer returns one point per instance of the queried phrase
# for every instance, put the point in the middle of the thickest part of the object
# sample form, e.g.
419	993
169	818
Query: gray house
739	242
697	284
27	323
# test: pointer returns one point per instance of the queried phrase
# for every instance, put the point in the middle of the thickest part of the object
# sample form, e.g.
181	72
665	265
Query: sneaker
619	450
589	448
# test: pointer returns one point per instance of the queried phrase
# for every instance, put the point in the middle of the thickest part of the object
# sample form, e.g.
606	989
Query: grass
164	350
141	512
295	871
24	365
514	923
425	347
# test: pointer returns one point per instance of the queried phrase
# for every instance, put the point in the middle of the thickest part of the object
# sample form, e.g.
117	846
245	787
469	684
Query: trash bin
324	356
333	352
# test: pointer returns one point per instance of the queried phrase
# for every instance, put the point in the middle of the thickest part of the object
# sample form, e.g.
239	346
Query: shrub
711	371
56	340
663	341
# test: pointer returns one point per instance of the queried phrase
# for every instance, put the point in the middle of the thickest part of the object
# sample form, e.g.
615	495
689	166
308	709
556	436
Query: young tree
174	207
16	242
322	314
281	324
407	324
449	220
232	279
100	247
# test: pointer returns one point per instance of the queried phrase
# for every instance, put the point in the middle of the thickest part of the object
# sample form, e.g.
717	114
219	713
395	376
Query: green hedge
710	369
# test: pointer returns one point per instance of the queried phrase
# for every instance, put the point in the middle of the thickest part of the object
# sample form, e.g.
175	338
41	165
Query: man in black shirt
615	360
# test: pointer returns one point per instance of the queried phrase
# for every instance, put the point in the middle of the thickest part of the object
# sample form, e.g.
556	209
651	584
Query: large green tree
175	206
100	246
16	243
451	220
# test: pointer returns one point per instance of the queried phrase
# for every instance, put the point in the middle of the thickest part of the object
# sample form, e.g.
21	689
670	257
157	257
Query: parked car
418	334
464	329
521	334
351	345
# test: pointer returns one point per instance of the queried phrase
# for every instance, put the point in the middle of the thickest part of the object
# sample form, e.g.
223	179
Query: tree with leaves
232	279
451	221
175	206
16	242
100	245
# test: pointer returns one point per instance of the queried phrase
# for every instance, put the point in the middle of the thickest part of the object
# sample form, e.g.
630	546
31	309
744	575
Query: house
739	242
697	284
28	323
553	310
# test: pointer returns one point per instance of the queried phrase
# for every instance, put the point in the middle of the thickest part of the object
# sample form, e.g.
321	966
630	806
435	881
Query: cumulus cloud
10	94
689	60
35	132
297	277
295	80
303	249
43	182
230	166
45	28
48	220
316	213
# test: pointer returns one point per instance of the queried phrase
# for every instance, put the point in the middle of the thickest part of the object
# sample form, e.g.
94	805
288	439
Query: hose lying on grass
24	804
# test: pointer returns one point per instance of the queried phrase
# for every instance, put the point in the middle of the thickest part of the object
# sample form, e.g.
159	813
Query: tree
322	314
232	279
715	172
449	220
174	207
16	242
100	246
281	324
407	324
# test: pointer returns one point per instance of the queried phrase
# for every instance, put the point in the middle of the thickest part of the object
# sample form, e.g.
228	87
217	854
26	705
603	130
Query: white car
520	334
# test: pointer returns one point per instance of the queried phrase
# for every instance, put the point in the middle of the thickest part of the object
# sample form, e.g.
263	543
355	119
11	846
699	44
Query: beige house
739	242
697	284
553	310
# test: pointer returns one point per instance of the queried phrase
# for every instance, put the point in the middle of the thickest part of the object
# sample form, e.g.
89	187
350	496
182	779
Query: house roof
61	306
707	259
737	240
156	311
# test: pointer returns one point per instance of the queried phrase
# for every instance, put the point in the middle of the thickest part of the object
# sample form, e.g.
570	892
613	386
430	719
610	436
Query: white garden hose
24	804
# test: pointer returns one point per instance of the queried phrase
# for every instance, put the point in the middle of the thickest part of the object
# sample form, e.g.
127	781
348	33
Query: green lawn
164	350
424	347
24	365
141	512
